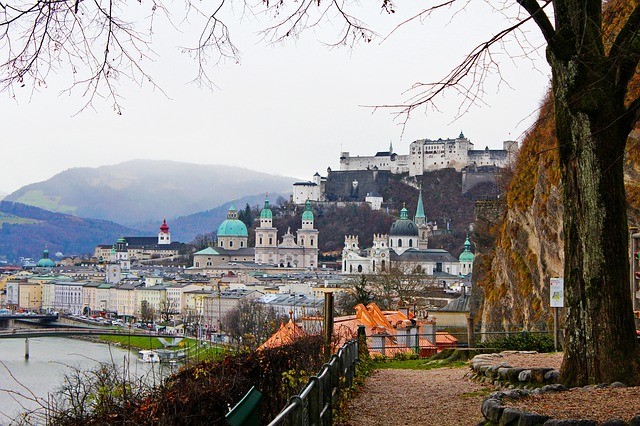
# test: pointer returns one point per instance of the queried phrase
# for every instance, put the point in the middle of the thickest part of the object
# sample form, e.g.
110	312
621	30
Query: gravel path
417	397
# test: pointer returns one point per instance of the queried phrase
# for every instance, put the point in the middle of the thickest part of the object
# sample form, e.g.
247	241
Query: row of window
400	242
230	243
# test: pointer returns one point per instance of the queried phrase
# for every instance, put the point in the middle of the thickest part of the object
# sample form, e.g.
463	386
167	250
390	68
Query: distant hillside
26	230
185	228
146	190
2	195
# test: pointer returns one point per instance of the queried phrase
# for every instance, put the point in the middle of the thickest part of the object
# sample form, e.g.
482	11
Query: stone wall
340	184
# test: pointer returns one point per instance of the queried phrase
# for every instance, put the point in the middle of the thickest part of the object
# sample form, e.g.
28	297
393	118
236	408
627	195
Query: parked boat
161	355
148	356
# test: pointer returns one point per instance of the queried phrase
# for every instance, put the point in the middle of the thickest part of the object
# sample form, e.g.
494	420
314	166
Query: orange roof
378	322
444	338
285	335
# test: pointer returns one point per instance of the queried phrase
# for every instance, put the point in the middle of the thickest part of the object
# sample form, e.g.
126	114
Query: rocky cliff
519	240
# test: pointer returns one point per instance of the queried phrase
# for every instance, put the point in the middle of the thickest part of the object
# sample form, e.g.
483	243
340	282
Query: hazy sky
286	109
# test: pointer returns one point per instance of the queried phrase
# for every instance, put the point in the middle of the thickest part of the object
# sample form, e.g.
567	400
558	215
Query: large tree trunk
600	342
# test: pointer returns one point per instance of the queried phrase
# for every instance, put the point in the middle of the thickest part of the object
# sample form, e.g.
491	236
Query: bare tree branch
467	78
540	17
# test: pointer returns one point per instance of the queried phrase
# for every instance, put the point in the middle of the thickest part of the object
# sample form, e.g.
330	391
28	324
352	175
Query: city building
140	248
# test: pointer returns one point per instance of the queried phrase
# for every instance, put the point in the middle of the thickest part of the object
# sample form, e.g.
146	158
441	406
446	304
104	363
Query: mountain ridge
136	191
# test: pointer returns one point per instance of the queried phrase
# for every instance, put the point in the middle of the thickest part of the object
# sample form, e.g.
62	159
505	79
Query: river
50	359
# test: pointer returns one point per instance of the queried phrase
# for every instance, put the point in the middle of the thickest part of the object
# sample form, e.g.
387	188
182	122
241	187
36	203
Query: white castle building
428	155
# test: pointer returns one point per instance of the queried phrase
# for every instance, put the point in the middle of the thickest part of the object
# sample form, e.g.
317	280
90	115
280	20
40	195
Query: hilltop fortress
361	178
426	155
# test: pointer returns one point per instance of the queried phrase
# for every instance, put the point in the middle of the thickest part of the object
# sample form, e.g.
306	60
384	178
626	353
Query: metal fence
314	405
428	344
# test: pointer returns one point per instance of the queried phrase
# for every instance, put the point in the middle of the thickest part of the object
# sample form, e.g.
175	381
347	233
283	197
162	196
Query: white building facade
428	155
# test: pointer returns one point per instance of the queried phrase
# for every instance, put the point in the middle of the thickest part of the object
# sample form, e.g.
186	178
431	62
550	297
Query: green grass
38	198
137	342
187	344
15	220
417	364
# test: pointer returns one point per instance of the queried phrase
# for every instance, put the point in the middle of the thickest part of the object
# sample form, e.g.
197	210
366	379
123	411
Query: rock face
513	276
520	241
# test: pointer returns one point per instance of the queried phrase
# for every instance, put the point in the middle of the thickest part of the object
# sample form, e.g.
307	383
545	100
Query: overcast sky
287	109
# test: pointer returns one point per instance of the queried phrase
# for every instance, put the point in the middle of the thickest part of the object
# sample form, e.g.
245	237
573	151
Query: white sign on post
557	293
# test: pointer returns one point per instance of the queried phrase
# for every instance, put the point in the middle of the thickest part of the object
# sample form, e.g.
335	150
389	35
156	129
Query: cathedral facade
300	251
292	251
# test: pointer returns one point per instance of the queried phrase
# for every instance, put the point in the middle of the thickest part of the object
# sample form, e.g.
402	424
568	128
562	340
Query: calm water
50	358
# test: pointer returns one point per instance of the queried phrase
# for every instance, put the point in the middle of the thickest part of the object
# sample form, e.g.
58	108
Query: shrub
521	342
196	395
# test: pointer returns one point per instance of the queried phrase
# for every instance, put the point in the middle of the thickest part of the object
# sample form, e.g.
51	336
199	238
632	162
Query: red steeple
164	228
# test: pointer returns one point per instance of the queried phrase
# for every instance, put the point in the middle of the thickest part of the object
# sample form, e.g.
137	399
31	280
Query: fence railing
314	404
428	344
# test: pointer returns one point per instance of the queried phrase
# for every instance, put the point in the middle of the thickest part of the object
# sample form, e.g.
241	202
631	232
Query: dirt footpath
439	397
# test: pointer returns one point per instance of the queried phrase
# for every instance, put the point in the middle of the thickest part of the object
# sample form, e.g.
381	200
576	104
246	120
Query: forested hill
26	230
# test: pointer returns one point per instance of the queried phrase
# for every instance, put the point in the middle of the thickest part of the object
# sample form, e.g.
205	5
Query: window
359	268
197	264
410	242
312	242
270	240
230	243
241	243
260	241
399	242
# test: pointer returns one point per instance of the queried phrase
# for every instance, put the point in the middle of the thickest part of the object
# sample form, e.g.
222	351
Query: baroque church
140	248
299	251
406	248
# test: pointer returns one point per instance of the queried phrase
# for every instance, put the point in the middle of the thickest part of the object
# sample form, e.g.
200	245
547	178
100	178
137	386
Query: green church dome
232	227
466	255
266	212
308	214
404	227
45	262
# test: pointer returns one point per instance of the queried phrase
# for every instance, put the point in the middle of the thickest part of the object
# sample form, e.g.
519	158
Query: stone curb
497	414
489	368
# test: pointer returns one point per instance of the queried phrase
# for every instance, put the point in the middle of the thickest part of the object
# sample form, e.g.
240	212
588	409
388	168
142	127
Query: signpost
556	293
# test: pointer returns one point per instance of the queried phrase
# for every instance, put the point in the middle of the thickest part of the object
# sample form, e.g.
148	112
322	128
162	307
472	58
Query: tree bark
600	342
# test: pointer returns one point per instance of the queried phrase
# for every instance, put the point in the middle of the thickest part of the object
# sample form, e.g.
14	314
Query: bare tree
168	308
147	313
251	323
